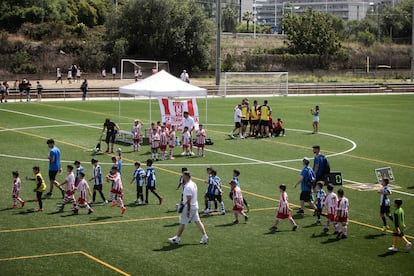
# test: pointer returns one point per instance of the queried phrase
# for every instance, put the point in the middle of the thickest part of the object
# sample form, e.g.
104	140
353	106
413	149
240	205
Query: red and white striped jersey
237	197
283	207
155	140
136	131
163	138
186	138
331	201
342	209
83	187
70	182
171	138
16	185
201	136
117	183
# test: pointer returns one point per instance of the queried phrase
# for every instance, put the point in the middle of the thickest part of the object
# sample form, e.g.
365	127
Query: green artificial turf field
358	133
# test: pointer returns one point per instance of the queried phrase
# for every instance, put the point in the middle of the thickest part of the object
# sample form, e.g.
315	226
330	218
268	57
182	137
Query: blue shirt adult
319	160
54	159
306	173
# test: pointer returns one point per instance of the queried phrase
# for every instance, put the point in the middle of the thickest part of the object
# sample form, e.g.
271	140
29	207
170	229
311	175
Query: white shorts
194	217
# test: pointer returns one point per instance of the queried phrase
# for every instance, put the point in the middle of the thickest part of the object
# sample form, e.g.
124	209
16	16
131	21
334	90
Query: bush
366	38
228	63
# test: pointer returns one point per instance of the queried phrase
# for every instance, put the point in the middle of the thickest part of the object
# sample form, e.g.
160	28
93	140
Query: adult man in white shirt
189	210
237	121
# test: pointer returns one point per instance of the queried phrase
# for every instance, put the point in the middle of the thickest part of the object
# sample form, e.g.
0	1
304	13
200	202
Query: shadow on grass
171	211
172	246
330	240
386	254
225	225
312	225
411	187
5	209
298	216
172	224
320	235
26	212
101	218
372	237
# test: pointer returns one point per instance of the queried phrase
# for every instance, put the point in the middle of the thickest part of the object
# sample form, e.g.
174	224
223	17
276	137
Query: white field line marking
217	152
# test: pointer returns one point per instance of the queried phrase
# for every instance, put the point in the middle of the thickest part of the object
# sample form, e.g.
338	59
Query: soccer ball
119	150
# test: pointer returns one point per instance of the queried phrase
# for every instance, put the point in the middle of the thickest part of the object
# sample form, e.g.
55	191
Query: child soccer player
151	182
139	177
136	135
97	181
16	190
331	201
40	186
70	189
342	215
283	210
171	142
399	225
186	142
237	203
83	188
320	199
201	140
385	203
117	188
163	142
79	169
218	192
236	174
154	140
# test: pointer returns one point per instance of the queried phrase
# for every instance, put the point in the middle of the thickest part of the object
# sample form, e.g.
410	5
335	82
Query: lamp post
275	17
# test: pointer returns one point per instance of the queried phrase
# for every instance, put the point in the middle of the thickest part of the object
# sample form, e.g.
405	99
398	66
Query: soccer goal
147	67
263	83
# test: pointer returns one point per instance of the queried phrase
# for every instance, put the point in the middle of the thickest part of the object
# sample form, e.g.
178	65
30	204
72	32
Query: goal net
128	67
236	83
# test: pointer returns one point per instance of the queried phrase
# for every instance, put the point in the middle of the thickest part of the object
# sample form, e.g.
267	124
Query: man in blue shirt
319	163
54	167
307	177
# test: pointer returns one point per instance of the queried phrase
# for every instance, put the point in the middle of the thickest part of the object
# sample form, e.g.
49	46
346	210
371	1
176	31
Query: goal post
128	67
274	83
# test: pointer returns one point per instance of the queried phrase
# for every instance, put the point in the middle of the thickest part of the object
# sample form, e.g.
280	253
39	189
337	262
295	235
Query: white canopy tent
163	84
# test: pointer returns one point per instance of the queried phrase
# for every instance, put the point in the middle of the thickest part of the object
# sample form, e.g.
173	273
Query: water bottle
177	141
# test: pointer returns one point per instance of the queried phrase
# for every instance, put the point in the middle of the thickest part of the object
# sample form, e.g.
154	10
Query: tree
229	20
311	33
248	17
173	30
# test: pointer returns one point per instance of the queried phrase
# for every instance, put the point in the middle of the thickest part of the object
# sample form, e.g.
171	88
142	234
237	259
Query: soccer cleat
338	235
408	247
318	221
14	206
174	240
326	230
385	228
393	249
75	211
300	211
123	209
160	200
236	222
40	210
183	153
206	211
204	240
90	211
114	203
344	236
223	213
294	227
22	203
273	228
246	218
91	202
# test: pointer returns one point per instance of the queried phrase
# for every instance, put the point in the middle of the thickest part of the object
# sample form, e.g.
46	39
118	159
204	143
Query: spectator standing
315	123
70	76
185	77
58	75
27	86
2	92
103	73
54	167
237	122
84	89
39	88
113	71
78	74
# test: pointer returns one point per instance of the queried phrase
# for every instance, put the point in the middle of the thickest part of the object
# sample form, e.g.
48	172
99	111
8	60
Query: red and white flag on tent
172	111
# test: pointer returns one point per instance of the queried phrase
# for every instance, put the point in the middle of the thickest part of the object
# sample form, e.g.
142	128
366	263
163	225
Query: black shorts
385	209
210	197
245	122
218	198
237	124
52	175
110	137
305	196
264	122
97	187
254	122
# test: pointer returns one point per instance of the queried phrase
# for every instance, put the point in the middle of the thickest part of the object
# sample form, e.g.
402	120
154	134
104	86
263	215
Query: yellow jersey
254	116
40	183
265	112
